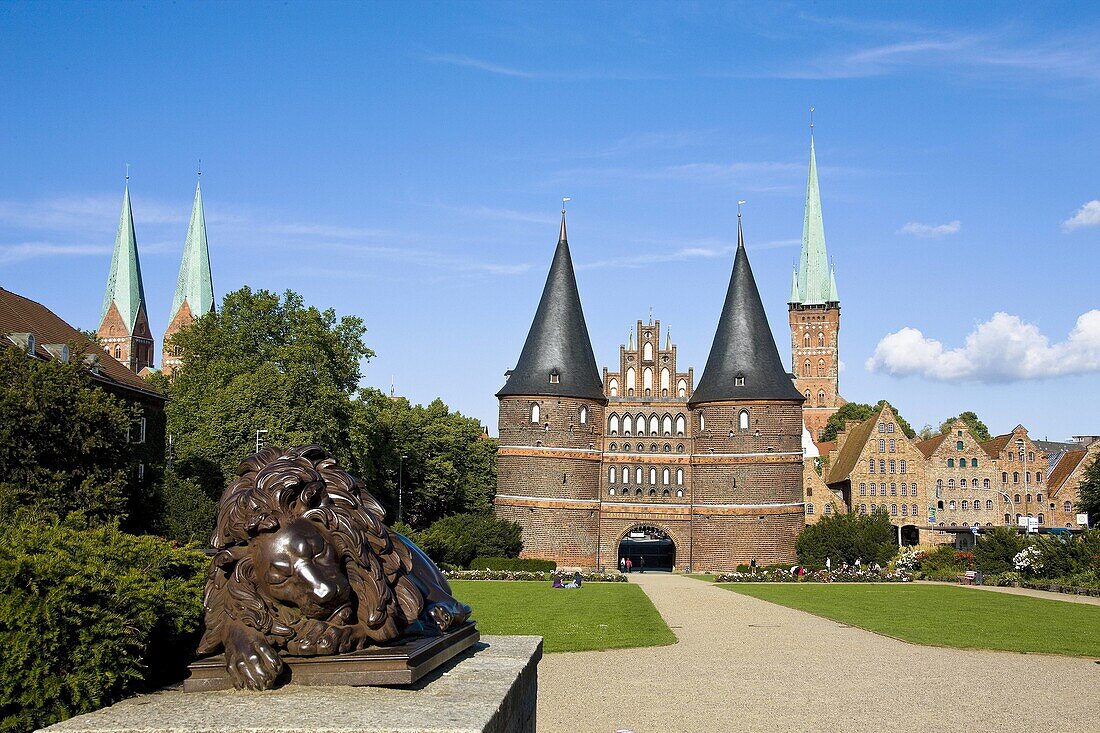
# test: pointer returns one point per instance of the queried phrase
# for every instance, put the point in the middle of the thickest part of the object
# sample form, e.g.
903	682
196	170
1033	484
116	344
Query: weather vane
811	118
127	171
563	200
739	204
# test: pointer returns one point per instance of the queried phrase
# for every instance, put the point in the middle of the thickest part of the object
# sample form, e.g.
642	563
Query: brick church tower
124	322
747	462
194	287
815	317
551	420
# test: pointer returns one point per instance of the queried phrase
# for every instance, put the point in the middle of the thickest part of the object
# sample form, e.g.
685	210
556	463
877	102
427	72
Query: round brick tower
747	417
551	420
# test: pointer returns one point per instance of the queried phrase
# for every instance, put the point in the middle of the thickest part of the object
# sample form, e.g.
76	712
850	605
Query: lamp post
400	497
259	439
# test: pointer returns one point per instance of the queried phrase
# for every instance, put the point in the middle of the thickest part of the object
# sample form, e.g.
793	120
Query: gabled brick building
642	463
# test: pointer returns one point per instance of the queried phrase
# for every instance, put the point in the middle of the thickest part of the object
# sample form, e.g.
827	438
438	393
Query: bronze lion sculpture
304	566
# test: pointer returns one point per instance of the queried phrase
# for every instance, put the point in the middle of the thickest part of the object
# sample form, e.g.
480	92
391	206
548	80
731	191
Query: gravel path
743	664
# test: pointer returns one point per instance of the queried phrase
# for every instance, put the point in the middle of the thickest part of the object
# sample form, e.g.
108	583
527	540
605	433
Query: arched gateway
650	544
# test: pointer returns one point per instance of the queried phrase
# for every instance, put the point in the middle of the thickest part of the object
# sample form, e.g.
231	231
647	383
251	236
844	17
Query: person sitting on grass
576	580
557	582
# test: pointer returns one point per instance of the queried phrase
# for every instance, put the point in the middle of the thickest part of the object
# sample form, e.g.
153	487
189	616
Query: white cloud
931	231
704	249
1087	216
1003	349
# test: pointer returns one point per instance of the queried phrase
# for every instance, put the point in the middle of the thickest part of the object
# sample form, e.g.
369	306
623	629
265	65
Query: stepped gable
744	362
557	358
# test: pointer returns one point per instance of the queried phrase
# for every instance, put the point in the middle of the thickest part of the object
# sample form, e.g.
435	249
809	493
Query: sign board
931	515
974	529
1031	524
1083	519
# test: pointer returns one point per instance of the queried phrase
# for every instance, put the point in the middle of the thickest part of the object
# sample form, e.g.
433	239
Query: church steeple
557	358
124	322
744	362
813	270
194	295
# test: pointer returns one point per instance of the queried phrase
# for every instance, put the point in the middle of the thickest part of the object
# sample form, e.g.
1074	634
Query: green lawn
705	577
943	615
592	617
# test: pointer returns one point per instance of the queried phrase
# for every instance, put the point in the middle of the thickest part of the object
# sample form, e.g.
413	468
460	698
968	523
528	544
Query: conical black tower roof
558	343
743	346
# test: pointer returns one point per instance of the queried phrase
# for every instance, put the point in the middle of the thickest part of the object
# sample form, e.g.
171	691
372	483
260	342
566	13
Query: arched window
679	477
893	466
806	340
893	489
988	504
637	492
118	352
874	489
611	491
965	505
1041	518
584	415
973	462
647	379
534	412
679	492
653	492
820	339
702	421
665	477
679	447
652	475
1017	498
743	420
890	427
1015	477
638	475
1004	477
679	425
809	506
647	351
893	446
905	510
1031	455
666	425
821	367
631	382
654	425
1067	507
611	475
806	371
904	489
665	493
903	465
958	445
882	427
613	387
639	427
863	489
950	462
962	483
613	424
893	510
882	465
1038	477
828	509
821	397
985	483
666	380
681	388
950	483
952	505
613	446
881	446
871	465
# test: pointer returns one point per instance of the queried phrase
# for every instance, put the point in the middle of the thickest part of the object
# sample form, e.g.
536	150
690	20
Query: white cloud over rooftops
931	230
1003	349
1087	216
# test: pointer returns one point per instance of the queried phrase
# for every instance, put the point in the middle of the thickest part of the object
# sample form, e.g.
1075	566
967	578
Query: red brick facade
722	481
815	361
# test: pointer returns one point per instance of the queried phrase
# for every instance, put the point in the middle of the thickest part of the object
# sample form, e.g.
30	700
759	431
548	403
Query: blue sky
405	163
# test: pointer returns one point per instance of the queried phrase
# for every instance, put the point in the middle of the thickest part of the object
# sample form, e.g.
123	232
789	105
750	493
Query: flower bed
841	575
530	575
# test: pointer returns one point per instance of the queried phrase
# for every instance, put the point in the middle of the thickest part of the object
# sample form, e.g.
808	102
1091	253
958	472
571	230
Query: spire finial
127	171
811	121
651	315
740	234
200	167
561	235
564	199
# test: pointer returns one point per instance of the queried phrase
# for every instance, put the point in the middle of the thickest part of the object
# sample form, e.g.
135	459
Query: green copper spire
124	280
833	297
195	284
794	287
813	270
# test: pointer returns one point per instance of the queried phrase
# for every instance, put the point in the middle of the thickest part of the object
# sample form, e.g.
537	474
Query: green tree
64	442
861	411
458	539
926	433
995	549
976	426
261	363
1088	492
846	538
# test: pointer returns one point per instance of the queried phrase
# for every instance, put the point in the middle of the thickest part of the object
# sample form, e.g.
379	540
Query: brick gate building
641	459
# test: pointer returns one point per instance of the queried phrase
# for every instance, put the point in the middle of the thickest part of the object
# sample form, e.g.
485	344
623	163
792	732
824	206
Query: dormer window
554	377
739	380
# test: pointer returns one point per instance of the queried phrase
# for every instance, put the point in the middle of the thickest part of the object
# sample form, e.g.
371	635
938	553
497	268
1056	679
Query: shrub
88	616
458	539
943	563
188	513
529	575
846	538
513	563
995	549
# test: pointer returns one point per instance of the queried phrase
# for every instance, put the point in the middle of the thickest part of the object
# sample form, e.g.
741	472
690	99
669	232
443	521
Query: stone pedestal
490	689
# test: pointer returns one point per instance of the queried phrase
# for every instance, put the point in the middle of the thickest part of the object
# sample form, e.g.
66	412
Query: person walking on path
622	564
629	565
829	564
752	566
641	564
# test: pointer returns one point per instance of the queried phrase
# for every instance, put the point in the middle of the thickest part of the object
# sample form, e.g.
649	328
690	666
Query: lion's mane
275	487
